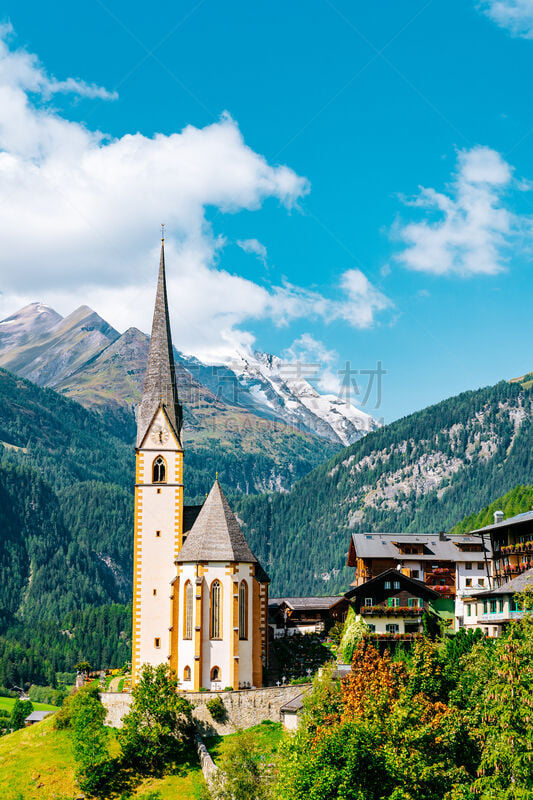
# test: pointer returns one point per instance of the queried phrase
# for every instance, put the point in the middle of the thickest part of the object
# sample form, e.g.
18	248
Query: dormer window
159	470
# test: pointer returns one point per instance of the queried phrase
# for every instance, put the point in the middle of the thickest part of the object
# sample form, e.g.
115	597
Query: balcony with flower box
520	548
395	636
391	611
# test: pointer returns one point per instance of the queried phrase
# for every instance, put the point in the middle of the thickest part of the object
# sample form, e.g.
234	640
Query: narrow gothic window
243	610
187	633
215	674
159	471
216	597
187	674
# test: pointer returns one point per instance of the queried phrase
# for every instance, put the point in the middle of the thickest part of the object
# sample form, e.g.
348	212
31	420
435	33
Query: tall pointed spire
160	387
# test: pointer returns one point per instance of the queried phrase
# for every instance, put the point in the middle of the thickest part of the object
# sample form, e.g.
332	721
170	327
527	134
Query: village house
452	566
512	545
392	603
290	615
492	611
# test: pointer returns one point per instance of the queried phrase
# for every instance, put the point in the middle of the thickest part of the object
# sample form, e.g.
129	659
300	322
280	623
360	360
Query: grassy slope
7	703
268	736
34	756
36	764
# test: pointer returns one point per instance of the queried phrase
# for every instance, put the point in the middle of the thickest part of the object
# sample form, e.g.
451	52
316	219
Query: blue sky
365	103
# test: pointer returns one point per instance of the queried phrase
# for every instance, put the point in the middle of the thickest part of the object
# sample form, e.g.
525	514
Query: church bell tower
158	522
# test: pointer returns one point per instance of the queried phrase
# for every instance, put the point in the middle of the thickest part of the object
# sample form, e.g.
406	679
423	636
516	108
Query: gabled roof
296	704
37	716
525	516
160	388
517	584
216	535
417	587
308	603
437	547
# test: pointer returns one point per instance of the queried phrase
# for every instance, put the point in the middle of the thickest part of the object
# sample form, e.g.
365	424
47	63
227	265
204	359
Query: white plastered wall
155	555
215	652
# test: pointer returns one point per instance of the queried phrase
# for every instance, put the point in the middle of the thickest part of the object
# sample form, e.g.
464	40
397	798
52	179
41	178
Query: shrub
354	632
46	694
158	729
21	710
217	709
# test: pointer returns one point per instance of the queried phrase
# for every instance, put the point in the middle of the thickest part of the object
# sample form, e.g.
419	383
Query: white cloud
515	16
22	70
254	247
80	214
316	361
470	228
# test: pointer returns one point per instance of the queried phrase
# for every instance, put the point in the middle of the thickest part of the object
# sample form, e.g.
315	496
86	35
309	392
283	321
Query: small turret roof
216	534
160	388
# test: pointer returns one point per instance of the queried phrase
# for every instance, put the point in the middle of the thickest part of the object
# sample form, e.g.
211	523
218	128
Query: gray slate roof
307	603
381	545
37	716
513	586
525	516
296	704
216	535
160	387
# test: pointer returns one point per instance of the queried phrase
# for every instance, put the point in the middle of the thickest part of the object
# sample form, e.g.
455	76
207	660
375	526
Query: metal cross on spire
162	231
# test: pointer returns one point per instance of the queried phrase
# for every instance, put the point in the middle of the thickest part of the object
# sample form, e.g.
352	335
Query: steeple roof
216	535
160	387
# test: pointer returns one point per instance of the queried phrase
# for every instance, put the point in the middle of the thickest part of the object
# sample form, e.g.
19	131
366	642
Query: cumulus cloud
515	16
316	362
469	227
80	212
20	69
254	247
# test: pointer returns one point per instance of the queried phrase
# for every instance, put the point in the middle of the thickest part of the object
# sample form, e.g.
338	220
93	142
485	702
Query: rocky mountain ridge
85	358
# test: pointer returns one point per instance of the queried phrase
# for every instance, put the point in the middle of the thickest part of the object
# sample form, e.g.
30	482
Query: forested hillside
517	501
66	507
66	522
425	472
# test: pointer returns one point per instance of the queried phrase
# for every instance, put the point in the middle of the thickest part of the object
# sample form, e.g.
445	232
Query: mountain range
66	511
85	358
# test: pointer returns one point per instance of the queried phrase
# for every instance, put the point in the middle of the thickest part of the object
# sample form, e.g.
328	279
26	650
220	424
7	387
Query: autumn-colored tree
373	684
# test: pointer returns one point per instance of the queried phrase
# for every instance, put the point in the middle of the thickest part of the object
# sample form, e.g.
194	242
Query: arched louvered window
216	610
159	470
187	606
187	674
243	610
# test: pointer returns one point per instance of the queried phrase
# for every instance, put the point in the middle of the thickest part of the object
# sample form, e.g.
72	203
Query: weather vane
162	230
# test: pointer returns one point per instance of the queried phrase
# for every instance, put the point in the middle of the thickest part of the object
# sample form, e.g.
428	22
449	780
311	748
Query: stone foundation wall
117	705
244	708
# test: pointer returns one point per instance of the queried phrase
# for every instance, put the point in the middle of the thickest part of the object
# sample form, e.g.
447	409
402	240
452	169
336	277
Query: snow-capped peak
279	387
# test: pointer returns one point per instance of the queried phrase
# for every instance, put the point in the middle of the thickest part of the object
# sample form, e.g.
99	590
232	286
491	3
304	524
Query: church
200	596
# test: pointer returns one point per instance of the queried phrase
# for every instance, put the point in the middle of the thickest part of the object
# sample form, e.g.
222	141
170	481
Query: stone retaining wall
244	708
206	762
